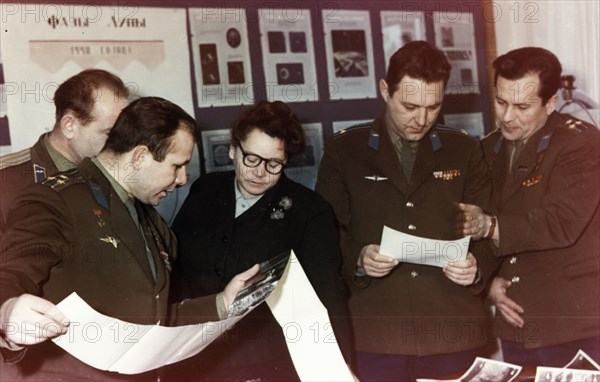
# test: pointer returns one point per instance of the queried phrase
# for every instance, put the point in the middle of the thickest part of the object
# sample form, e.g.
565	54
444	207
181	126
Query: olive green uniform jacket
72	233
549	231
17	170
416	309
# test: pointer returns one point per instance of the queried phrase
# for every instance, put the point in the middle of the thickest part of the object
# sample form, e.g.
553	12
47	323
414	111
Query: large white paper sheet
307	327
419	250
110	344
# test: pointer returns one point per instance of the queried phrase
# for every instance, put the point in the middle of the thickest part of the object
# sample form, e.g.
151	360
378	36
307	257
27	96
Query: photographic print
582	361
297	42
215	145
349	53
554	374
276	42
303	169
455	36
470	123
260	286
288	62
235	72
486	370
398	28
292	73
209	64
223	59
234	38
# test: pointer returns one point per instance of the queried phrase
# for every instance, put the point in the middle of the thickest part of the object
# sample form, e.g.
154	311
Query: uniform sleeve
37	236
568	203
332	186
195	311
478	192
34	240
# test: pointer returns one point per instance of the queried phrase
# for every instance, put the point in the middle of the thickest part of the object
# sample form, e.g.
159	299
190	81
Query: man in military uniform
546	192
410	321
87	106
92	230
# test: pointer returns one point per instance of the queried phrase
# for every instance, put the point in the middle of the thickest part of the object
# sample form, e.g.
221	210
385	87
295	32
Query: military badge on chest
446	174
101	223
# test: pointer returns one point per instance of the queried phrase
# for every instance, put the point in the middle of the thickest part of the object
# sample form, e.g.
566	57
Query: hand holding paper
374	263
463	272
419	250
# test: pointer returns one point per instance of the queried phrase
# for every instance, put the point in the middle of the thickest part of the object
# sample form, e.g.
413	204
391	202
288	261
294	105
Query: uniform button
412	227
409	204
513	260
218	272
414	274
515	279
157	296
224	239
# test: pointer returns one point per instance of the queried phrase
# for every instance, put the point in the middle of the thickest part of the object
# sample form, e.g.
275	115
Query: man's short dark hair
150	122
419	60
80	92
520	62
276	120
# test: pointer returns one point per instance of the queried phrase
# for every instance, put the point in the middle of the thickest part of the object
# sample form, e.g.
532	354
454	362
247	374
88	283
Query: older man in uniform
87	106
545	218
409	320
93	230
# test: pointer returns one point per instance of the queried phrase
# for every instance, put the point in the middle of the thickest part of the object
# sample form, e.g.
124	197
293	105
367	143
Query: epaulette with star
575	125
63	179
353	128
451	129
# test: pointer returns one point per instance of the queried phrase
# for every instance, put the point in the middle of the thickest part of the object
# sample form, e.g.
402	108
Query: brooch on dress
284	204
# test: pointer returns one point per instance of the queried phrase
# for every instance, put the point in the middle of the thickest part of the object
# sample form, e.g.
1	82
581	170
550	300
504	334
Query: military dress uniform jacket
19	169
549	224
214	246
416	309
72	233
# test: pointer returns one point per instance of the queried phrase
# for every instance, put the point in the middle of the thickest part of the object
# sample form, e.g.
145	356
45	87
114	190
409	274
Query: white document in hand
419	250
110	344
307	327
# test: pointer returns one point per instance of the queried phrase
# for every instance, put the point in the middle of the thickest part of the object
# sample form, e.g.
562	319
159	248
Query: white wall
568	28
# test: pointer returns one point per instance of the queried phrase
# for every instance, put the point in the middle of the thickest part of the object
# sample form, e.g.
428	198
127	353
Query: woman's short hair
276	120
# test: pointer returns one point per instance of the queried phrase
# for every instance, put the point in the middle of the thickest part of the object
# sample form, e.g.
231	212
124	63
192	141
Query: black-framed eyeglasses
273	166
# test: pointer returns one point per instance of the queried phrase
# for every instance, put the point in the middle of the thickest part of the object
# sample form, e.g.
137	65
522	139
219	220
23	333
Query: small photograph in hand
259	287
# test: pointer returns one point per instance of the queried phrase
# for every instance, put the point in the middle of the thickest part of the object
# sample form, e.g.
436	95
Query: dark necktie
515	149
141	220
408	152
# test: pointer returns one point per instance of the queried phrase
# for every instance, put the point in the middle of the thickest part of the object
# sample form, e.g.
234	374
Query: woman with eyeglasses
232	220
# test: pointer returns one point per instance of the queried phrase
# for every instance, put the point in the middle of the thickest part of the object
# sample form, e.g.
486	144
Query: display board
324	58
